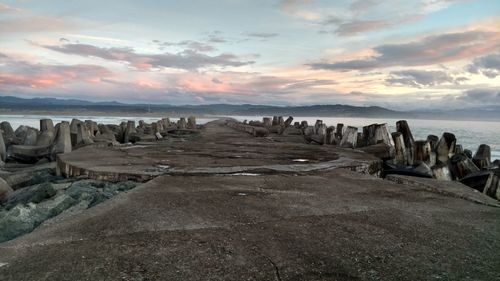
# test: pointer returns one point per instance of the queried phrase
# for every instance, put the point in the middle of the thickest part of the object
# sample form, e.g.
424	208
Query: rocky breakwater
32	190
126	135
72	166
228	205
441	158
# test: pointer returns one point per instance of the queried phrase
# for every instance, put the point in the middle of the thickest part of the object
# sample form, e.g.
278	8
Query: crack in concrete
275	266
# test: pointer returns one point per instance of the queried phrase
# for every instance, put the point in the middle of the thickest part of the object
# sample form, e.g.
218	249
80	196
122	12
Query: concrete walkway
216	150
332	224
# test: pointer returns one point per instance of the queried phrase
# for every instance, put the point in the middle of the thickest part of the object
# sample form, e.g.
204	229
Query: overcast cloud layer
399	54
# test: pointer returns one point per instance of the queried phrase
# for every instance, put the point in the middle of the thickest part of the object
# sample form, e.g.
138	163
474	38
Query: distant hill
325	110
13	104
14	101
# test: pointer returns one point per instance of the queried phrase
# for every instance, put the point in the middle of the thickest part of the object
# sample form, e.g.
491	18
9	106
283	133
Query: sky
412	54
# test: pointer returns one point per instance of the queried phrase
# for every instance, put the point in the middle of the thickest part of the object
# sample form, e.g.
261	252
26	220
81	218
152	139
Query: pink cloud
430	50
149	84
4	8
201	83
186	60
36	24
25	74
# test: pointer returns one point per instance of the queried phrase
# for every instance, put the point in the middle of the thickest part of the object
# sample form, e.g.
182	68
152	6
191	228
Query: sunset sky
397	54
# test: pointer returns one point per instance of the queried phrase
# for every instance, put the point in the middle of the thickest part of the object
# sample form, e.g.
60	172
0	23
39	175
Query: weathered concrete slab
449	188
333	225
217	150
23	151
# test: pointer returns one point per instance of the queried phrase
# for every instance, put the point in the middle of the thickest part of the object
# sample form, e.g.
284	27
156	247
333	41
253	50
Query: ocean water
470	134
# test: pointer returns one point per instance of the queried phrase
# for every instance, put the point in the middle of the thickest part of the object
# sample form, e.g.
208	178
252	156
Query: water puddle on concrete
300	160
244	174
3	264
133	146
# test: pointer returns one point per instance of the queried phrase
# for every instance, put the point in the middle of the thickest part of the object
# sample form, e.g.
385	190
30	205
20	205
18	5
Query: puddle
242	194
158	169
244	174
300	160
133	146
3	264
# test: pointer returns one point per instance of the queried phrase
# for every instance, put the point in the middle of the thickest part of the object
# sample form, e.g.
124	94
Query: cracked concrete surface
328	224
218	150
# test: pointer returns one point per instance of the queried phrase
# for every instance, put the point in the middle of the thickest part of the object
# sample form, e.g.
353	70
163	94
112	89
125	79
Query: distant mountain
324	110
51	104
14	105
9	100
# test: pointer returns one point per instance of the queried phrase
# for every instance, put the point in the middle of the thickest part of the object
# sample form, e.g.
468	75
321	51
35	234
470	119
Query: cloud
421	78
213	39
362	6
14	73
230	87
216	37
263	35
488	65
26	78
428	51
356	26
257	84
107	40
360	26
189	44
482	96
4	8
35	24
217	81
295	8
187	60
350	18
292	5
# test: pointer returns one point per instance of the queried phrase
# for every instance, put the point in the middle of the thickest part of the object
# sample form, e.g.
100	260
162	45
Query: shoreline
175	114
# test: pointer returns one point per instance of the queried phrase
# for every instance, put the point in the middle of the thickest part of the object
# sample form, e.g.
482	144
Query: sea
470	134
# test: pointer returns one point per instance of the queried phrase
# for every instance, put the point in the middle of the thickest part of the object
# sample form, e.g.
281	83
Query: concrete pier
225	205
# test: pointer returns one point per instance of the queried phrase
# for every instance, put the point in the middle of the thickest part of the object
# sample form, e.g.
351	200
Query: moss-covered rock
119	187
85	190
23	218
31	194
28	207
97	191
18	220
